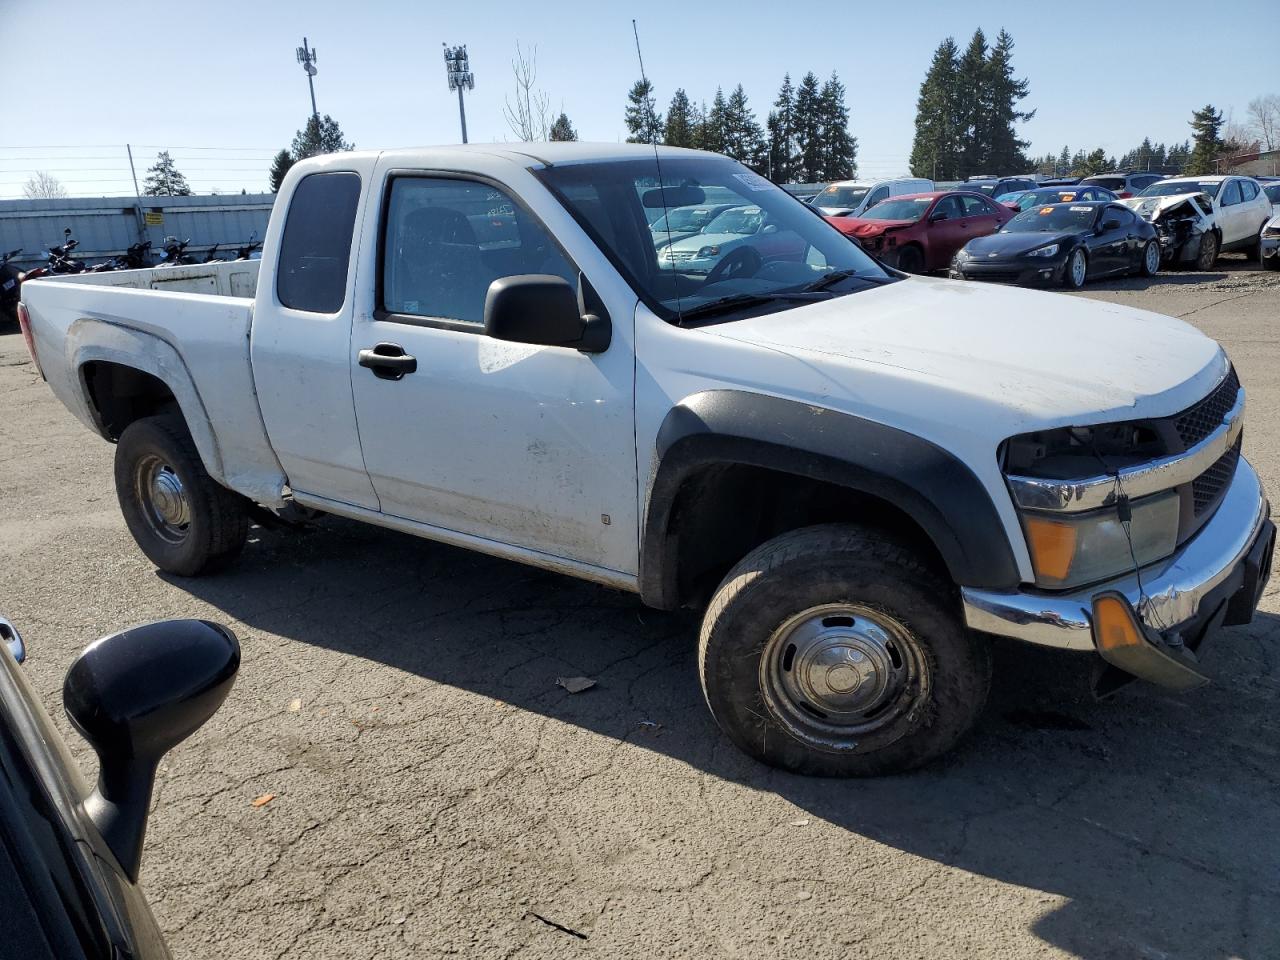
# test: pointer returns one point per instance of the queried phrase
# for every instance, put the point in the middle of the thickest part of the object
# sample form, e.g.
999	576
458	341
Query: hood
1149	208
697	241
955	357
1016	244
858	227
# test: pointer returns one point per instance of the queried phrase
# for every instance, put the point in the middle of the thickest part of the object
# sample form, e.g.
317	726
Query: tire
1073	276
182	519
1208	254
919	677
1150	264
911	260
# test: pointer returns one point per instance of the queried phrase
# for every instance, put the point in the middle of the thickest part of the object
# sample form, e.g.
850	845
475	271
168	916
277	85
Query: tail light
1124	194
24	322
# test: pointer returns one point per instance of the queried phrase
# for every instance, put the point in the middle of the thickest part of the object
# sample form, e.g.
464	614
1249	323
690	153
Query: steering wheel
743	262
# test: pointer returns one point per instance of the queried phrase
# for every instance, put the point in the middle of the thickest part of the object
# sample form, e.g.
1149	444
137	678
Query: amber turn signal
1114	626
1053	546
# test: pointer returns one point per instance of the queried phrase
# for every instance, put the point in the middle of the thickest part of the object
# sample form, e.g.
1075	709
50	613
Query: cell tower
458	66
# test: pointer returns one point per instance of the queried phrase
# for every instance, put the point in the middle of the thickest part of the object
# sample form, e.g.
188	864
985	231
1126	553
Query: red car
921	232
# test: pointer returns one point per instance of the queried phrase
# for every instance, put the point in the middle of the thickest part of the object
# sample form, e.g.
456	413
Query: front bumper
1215	579
1270	247
1024	271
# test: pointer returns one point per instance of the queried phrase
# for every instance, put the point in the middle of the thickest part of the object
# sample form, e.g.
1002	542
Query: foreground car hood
1149	208
958	357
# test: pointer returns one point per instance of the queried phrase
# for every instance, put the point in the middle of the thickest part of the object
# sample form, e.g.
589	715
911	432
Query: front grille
1198	422
1207	488
997	276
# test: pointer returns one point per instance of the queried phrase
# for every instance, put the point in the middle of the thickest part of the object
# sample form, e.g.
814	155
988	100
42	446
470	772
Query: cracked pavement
437	794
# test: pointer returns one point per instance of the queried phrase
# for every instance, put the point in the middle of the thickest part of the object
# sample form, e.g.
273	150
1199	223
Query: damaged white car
1199	217
1269	246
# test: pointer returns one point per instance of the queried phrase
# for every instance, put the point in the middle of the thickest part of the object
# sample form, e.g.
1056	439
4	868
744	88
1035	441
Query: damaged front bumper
1215	580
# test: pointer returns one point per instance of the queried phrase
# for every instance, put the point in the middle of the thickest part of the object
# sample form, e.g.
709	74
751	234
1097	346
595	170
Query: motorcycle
211	256
60	259
246	252
10	281
135	258
175	254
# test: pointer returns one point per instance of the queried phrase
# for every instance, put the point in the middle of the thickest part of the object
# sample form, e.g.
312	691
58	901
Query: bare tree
1264	115
44	186
530	116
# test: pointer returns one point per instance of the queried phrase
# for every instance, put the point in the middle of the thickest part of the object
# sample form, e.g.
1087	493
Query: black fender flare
930	485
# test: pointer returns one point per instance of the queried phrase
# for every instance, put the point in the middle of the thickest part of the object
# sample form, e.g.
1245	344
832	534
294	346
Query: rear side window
1250	189
316	249
1230	195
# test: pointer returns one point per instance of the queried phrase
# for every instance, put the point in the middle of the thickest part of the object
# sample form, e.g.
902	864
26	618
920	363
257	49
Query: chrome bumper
1173	587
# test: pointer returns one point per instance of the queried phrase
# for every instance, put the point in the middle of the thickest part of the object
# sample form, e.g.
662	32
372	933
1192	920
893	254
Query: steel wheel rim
1151	259
165	504
1077	269
835	674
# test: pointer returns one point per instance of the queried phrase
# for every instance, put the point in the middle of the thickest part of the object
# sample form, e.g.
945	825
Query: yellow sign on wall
153	219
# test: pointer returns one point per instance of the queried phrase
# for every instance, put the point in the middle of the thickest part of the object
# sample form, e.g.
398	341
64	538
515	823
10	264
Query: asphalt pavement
434	792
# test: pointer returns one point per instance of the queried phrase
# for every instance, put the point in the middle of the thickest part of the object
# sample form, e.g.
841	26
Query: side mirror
10	637
938	216
134	695
1109	225
543	309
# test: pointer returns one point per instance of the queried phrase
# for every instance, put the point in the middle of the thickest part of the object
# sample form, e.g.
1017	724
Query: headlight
1048	251
708	252
1069	550
1272	231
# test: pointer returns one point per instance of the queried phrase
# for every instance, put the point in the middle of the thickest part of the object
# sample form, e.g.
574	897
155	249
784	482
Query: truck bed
188	327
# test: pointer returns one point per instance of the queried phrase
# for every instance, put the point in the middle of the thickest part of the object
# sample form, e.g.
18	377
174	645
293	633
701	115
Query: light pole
307	57
458	66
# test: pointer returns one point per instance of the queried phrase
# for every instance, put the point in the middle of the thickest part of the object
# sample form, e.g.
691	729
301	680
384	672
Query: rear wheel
1208	254
1150	259
184	520
911	260
834	651
1076	271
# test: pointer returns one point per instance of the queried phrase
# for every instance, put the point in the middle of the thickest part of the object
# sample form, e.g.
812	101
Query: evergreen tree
1064	162
680	121
974	108
808	127
1004	148
743	139
839	149
781	161
1206	127
935	149
642	117
562	129
164	180
280	165
714	128
700	121
319	136
1095	163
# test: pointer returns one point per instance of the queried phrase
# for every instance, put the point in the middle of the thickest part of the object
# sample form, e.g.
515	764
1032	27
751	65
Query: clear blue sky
221	73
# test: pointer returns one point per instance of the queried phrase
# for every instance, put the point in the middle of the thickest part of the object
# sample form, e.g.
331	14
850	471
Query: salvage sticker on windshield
1044	210
753	181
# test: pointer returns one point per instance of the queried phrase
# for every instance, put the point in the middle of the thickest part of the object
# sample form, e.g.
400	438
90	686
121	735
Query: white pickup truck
857	474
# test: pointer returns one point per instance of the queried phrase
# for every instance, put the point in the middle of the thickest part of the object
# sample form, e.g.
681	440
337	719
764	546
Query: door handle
388	361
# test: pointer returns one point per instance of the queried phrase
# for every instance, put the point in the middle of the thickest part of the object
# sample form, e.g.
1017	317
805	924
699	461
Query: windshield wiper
835	276
738	301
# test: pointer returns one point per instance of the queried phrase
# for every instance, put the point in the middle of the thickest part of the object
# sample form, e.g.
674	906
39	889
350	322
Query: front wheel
832	650
1208	254
1151	259
1077	270
911	260
184	520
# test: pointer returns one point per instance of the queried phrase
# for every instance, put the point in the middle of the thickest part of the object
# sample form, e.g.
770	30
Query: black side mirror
543	309
938	216
134	695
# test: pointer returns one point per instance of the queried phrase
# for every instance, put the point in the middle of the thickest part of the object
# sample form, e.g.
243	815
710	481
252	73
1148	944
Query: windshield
841	196
1059	218
744	220
987	188
768	251
1171	188
910	209
1111	183
683	219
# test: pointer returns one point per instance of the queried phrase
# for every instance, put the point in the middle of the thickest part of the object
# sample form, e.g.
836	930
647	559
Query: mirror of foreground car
134	695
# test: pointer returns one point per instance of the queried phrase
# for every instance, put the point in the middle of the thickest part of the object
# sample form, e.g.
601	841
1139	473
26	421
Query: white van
849	198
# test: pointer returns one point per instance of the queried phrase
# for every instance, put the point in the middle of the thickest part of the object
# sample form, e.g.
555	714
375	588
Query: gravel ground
436	793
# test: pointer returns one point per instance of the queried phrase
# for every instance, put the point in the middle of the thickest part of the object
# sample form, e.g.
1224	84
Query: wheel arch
847	464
